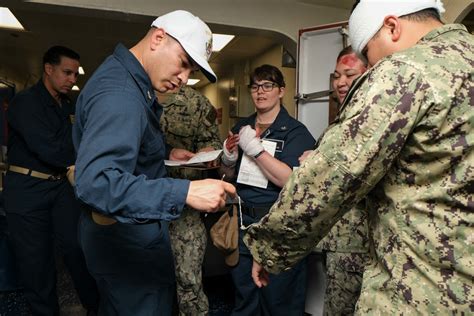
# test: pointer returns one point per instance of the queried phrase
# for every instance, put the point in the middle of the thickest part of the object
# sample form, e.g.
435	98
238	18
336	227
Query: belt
256	211
101	219
36	174
105	220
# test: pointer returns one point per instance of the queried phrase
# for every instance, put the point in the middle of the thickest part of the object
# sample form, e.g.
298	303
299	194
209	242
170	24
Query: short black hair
53	55
267	72
423	15
354	5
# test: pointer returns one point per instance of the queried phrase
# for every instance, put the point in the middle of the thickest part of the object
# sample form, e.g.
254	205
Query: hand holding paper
201	159
179	154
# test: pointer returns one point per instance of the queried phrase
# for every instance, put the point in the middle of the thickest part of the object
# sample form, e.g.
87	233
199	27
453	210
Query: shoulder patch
210	117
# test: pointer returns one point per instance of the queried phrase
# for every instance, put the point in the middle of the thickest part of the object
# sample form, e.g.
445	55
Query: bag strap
242	226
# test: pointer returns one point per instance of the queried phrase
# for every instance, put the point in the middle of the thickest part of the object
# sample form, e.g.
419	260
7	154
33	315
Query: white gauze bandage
368	16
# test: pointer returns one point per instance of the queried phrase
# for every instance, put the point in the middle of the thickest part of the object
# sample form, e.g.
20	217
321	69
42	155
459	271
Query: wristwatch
258	155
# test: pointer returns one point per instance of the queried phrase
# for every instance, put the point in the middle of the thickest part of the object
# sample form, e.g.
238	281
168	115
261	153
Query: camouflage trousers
188	240
343	281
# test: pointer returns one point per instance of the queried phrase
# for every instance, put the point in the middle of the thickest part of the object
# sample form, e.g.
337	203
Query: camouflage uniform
346	248
189	122
405	142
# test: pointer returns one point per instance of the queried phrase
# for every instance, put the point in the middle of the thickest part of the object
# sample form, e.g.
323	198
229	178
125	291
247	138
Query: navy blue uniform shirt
120	167
292	138
40	131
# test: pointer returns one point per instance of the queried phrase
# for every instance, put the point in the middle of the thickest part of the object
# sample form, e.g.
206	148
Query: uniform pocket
181	128
152	149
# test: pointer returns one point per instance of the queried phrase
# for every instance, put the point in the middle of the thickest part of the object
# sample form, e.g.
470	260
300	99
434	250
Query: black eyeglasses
266	87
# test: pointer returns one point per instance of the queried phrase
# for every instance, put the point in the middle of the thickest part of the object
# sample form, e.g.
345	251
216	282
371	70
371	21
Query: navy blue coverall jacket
120	166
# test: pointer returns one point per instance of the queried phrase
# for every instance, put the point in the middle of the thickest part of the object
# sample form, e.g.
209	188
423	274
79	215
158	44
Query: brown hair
267	72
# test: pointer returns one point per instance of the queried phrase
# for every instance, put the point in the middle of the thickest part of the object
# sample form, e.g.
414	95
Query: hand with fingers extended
230	150
209	195
249	142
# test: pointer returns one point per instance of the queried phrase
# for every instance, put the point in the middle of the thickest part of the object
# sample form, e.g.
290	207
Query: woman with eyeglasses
259	156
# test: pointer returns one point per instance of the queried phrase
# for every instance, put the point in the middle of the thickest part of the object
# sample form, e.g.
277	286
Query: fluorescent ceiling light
219	41
75	88
81	70
8	20
192	82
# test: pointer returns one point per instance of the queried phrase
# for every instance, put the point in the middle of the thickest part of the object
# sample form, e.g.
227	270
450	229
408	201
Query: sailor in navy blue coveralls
286	292
120	170
40	202
135	245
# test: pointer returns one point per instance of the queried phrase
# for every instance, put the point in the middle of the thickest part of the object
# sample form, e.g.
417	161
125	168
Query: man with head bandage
369	16
403	140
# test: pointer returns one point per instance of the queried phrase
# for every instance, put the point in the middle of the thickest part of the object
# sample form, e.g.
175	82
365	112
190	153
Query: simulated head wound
194	36
368	17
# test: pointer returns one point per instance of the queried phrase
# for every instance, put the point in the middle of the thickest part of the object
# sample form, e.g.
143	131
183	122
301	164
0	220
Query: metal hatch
318	48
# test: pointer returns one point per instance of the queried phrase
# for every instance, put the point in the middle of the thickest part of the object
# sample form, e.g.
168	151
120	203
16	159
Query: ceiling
94	36
95	33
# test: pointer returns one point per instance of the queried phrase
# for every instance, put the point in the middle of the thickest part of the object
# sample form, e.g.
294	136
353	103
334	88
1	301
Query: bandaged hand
230	150
249	142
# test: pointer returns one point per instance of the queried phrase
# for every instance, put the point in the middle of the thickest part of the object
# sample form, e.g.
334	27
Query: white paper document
250	173
199	159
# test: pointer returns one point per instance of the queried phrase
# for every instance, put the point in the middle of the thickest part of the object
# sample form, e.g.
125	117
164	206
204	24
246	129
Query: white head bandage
368	17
